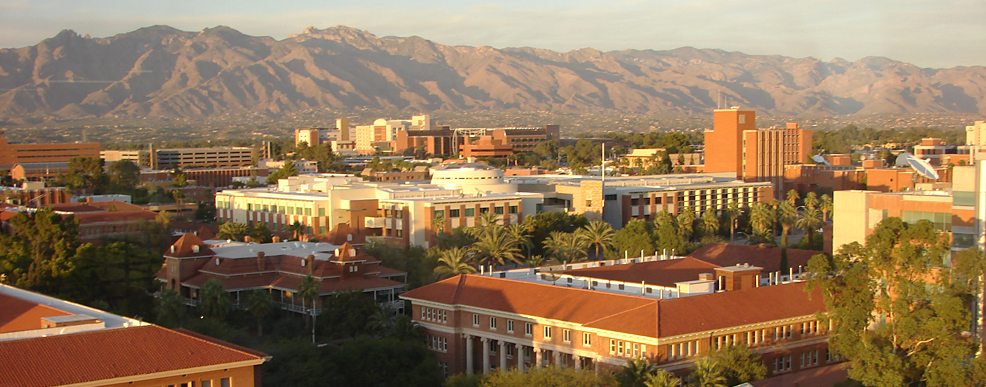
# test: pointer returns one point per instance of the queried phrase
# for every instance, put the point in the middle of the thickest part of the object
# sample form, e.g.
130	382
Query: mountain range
160	71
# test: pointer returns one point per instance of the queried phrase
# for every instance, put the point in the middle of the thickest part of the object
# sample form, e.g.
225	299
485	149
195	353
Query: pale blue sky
926	33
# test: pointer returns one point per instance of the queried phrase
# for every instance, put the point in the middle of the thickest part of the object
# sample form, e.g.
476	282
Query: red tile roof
183	247
623	313
20	315
663	273
728	309
110	353
527	298
769	258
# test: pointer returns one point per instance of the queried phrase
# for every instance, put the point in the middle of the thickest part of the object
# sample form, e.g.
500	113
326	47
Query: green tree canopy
897	310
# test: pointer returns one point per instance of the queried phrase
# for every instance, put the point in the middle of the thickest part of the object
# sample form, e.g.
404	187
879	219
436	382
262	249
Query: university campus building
13	154
735	144
401	214
617	200
242	267
45	341
479	323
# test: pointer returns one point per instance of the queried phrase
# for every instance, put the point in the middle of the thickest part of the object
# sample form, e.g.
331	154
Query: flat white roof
110	320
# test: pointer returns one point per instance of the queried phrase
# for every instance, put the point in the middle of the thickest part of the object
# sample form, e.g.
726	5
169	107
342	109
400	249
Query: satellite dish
553	270
923	168
820	159
902	159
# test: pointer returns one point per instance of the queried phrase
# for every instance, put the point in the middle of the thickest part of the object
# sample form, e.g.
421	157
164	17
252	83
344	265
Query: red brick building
45	341
476	324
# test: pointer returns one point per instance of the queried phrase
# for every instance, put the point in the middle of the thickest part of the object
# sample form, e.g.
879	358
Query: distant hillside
163	72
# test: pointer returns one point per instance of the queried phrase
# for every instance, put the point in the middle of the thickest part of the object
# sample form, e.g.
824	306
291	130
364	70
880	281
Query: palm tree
233	230
383	321
489	219
518	232
662	378
566	247
811	200
762	218
786	216
707	374
438	225
454	261
213	300
297	230
599	234
825	206
710	222
535	261
495	245
259	304
733	213
169	307
686	224
792	197
308	290
810	220
635	373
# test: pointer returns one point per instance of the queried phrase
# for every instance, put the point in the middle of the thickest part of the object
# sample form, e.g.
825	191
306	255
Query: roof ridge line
458	289
622	312
195	335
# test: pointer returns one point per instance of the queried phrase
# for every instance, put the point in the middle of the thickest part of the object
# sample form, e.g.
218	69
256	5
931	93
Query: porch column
485	354
578	362
468	354
503	356
520	357
538	362
557	356
595	364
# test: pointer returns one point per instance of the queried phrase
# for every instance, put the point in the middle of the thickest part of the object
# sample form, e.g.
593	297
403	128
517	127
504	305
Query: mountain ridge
160	71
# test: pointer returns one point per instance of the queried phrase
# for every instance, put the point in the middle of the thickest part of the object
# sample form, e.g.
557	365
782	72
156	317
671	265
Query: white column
539	356
595	364
578	362
519	350
485	354
468	354
557	356
503	356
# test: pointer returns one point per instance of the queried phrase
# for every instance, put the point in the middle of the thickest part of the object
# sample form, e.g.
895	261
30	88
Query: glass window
528	329
483	210
586	339
498	210
611	197
224	382
453	213
439	214
470	212
475	319
321	212
513	209
308	212
962	198
962	241
510	326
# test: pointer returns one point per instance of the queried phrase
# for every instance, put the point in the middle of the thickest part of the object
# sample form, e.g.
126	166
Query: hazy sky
925	33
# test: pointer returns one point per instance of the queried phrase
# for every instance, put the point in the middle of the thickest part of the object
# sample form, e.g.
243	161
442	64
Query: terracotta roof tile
107	354
20	315
183	247
553	302
727	309
769	258
622	313
663	273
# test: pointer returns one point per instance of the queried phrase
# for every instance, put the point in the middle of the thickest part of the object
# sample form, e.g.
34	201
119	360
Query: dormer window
195	248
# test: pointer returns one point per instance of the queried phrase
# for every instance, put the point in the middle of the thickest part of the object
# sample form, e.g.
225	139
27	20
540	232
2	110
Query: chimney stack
275	239
261	261
310	259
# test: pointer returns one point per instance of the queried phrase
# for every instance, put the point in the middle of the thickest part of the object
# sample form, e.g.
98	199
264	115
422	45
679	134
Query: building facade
736	145
12	154
477	324
45	341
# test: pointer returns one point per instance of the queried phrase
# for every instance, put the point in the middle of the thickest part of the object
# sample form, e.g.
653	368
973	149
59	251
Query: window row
469	212
437	343
627	349
432	314
682	350
547	332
